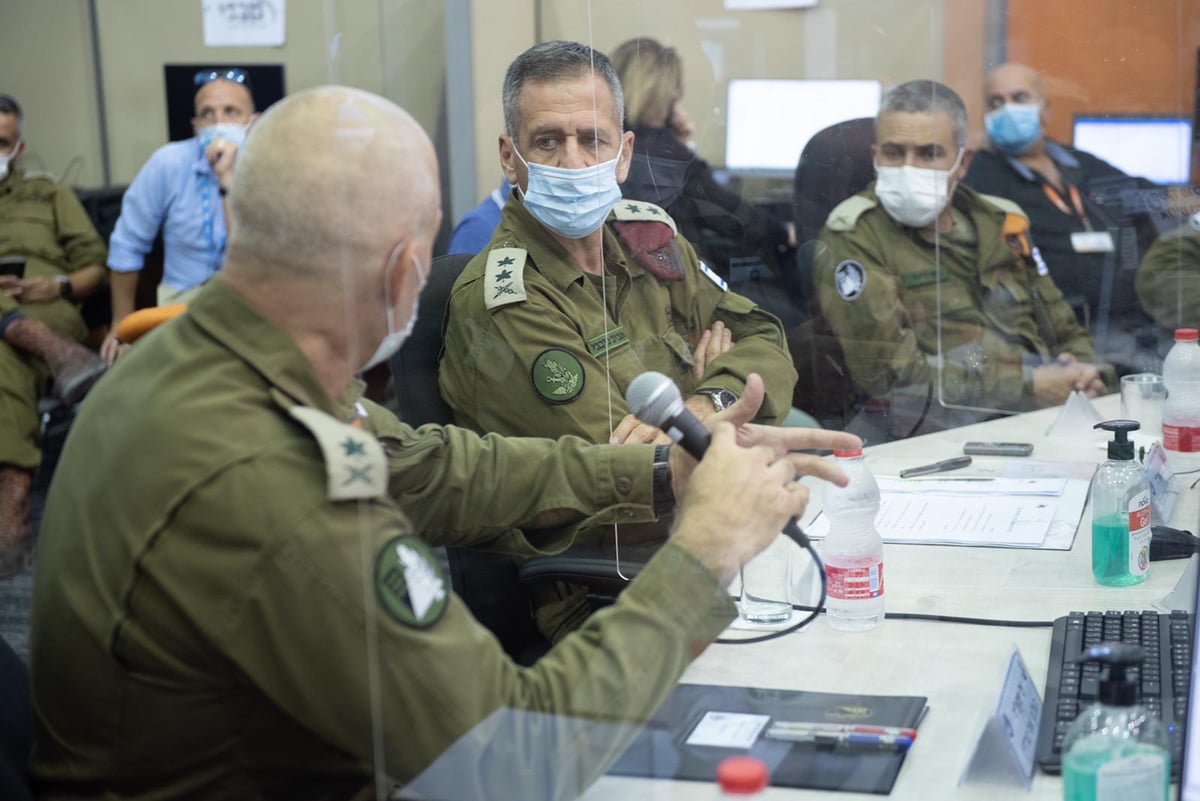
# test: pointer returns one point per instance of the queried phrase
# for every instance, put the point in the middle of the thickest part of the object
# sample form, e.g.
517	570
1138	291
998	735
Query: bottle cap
1116	689
1186	335
742	775
848	454
1120	448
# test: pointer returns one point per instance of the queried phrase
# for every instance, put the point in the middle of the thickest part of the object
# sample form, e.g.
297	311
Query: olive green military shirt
531	345
888	291
43	221
228	604
1168	279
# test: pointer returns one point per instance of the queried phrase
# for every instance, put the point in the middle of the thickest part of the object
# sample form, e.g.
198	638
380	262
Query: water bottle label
1139	533
854	583
1182	439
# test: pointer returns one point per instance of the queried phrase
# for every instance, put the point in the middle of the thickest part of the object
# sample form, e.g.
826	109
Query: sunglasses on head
208	76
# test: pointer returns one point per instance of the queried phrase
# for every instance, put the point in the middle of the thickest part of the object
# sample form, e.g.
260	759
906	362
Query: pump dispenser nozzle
1117	689
1120	447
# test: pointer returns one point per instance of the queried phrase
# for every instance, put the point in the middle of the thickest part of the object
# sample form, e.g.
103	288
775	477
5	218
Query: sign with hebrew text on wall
243	23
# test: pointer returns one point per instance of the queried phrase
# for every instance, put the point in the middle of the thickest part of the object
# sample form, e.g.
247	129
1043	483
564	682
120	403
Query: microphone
655	400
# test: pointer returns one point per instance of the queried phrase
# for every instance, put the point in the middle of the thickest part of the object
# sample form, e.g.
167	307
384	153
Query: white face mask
914	196
6	160
393	339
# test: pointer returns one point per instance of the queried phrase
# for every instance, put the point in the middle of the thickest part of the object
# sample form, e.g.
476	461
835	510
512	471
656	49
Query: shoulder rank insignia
354	460
649	233
712	276
844	216
409	582
640	211
504	277
557	375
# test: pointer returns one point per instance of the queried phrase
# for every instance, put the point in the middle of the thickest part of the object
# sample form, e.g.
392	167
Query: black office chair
490	584
16	726
836	163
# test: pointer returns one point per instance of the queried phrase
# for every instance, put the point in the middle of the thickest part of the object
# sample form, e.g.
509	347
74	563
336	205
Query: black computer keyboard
1163	678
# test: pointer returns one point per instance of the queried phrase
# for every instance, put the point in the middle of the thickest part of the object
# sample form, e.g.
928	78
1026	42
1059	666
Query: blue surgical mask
1013	127
230	132
572	203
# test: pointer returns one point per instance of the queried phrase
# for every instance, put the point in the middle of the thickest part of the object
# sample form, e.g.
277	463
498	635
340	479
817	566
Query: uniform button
624	485
626	513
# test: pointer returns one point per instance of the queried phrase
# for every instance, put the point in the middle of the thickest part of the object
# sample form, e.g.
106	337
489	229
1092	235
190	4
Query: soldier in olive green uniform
43	226
1168	279
580	292
939	296
549	358
235	597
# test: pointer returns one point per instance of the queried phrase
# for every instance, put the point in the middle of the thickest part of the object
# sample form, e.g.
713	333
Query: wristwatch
663	491
65	290
721	399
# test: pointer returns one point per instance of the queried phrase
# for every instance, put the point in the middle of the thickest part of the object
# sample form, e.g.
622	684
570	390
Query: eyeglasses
208	76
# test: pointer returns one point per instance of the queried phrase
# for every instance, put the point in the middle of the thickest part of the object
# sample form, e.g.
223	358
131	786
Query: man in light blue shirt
475	229
181	190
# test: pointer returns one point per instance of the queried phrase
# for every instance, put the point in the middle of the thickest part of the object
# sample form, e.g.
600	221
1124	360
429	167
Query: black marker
936	467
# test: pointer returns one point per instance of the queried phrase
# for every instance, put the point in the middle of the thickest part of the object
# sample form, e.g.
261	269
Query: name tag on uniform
1092	242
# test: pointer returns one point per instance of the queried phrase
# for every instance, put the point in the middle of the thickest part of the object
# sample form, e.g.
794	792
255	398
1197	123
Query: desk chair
836	163
16	726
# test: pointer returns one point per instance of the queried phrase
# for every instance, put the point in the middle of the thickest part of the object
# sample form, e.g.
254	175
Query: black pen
936	467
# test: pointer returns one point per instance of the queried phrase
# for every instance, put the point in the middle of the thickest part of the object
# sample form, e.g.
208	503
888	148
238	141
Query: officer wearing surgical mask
1056	185
580	291
937	294
181	191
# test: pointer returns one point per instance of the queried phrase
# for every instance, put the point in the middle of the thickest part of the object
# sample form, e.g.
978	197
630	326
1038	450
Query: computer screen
1157	148
770	121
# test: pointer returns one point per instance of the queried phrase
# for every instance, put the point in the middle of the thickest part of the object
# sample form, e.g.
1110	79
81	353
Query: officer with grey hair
937	292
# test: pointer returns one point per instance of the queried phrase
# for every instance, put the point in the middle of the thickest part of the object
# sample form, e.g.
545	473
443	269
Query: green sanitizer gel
1120	512
1116	750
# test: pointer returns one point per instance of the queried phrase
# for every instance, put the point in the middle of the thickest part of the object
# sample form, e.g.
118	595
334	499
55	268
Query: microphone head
653	398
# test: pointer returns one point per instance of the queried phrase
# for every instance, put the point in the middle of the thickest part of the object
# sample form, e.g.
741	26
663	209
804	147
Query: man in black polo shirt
1086	246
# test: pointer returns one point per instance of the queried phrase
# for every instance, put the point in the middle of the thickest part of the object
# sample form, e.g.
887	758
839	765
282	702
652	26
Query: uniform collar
547	255
1057	153
231	320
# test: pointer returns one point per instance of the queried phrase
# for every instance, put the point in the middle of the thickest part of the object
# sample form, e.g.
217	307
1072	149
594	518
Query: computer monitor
1157	148
770	121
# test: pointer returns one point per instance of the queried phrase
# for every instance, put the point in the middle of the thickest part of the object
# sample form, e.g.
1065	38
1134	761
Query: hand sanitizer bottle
1116	749
1120	512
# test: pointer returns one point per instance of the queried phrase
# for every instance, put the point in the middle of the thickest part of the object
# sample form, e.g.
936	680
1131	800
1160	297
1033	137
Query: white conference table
959	667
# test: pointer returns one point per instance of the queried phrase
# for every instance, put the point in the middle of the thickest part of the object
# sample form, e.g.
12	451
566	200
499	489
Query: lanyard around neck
1076	201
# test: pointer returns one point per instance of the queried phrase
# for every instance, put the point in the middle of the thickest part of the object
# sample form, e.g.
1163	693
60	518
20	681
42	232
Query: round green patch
557	375
410	583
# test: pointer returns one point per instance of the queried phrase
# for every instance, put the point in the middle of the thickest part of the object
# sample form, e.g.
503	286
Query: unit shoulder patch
641	211
850	279
409	582
557	375
355	464
504	277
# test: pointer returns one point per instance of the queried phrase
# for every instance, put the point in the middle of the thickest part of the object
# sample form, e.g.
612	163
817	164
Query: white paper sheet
728	729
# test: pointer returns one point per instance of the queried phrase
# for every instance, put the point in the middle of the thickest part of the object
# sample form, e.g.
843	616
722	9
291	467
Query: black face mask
655	180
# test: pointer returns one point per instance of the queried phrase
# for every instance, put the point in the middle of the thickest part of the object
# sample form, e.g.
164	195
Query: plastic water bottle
853	549
1181	410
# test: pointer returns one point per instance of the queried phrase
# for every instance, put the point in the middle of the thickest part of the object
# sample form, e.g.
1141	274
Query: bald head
1012	83
330	180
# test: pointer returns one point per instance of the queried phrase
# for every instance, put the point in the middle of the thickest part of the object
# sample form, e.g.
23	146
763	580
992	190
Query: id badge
1092	242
